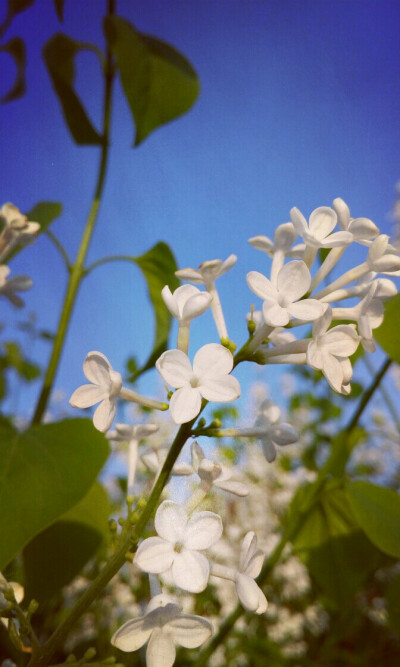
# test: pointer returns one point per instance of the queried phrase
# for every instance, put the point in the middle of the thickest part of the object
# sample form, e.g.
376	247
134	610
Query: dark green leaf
393	604
377	510
335	550
44	472
16	49
59	6
14	7
59	54
158	266
159	83
71	541
387	334
44	213
14	358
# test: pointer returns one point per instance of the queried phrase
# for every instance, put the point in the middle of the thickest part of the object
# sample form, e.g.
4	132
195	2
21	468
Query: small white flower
15	223
281	301
362	229
208	271
178	545
105	389
163	626
186	303
318	233
209	378
214	474
329	351
132	435
250	564
270	431
8	288
382	257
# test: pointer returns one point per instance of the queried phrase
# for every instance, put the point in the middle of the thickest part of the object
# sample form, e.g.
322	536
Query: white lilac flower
251	559
206	274
250	564
318	232
362	229
17	229
154	459
281	247
186	303
281	301
329	351
132	435
209	378
368	314
8	288
177	546
163	626
214	474
105	389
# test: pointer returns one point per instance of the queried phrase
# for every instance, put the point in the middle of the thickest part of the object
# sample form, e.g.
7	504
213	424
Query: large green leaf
55	556
158	81
14	7
59	54
158	266
44	471
43	212
16	49
335	550
387	334
377	510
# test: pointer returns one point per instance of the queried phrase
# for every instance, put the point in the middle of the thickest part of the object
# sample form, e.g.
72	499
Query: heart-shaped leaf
16	49
44	472
159	82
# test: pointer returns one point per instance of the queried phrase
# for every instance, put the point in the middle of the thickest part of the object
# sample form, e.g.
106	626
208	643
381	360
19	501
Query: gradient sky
299	104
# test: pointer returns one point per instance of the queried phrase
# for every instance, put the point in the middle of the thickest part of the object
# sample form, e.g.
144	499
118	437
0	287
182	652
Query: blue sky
299	104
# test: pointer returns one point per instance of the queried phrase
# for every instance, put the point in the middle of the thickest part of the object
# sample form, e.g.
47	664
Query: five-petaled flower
178	545
250	564
163	626
209	378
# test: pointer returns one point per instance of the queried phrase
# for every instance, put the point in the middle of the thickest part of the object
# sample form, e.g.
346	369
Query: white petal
170	301
308	309
227	264
337	240
363	229
211	361
175	368
247	550
196	305
132	635
237	488
332	369
87	395
190	571
268	449
220	390
342	212
262	243
285	235
298	220
185	404
315	356
160	650
274	314
189	631
321	325
170	521
293	280
203	530
342	341
250	594
261	286
182	294
104	415
97	368
322	221
191	275
154	555
284	434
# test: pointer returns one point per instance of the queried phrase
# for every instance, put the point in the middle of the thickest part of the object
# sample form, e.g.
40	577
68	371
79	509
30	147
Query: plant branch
53	238
105	260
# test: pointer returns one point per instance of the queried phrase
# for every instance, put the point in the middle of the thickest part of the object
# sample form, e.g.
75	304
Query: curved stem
299	515
53	238
77	269
105	260
43	656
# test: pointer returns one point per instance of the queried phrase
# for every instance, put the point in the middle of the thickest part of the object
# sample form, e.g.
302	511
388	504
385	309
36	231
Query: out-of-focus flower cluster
15	229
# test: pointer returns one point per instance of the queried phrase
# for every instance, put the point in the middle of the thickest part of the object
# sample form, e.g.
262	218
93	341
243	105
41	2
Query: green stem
105	260
43	656
297	519
53	238
386	396
77	270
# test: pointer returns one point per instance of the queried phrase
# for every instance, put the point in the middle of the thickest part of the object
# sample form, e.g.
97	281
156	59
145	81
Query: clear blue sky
299	104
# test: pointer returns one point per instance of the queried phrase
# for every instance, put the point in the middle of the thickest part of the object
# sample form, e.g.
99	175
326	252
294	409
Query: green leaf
159	82
14	7
59	55
333	547
44	472
387	334
377	510
14	358
72	541
158	266
44	212
16	49
59	7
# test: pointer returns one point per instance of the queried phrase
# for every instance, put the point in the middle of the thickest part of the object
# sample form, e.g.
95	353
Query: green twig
105	260
53	238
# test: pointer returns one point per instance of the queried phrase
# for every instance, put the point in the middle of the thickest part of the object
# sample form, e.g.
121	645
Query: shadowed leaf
16	49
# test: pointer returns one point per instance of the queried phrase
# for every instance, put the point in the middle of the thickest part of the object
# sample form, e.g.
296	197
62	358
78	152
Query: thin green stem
77	269
298	516
129	542
105	260
53	238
